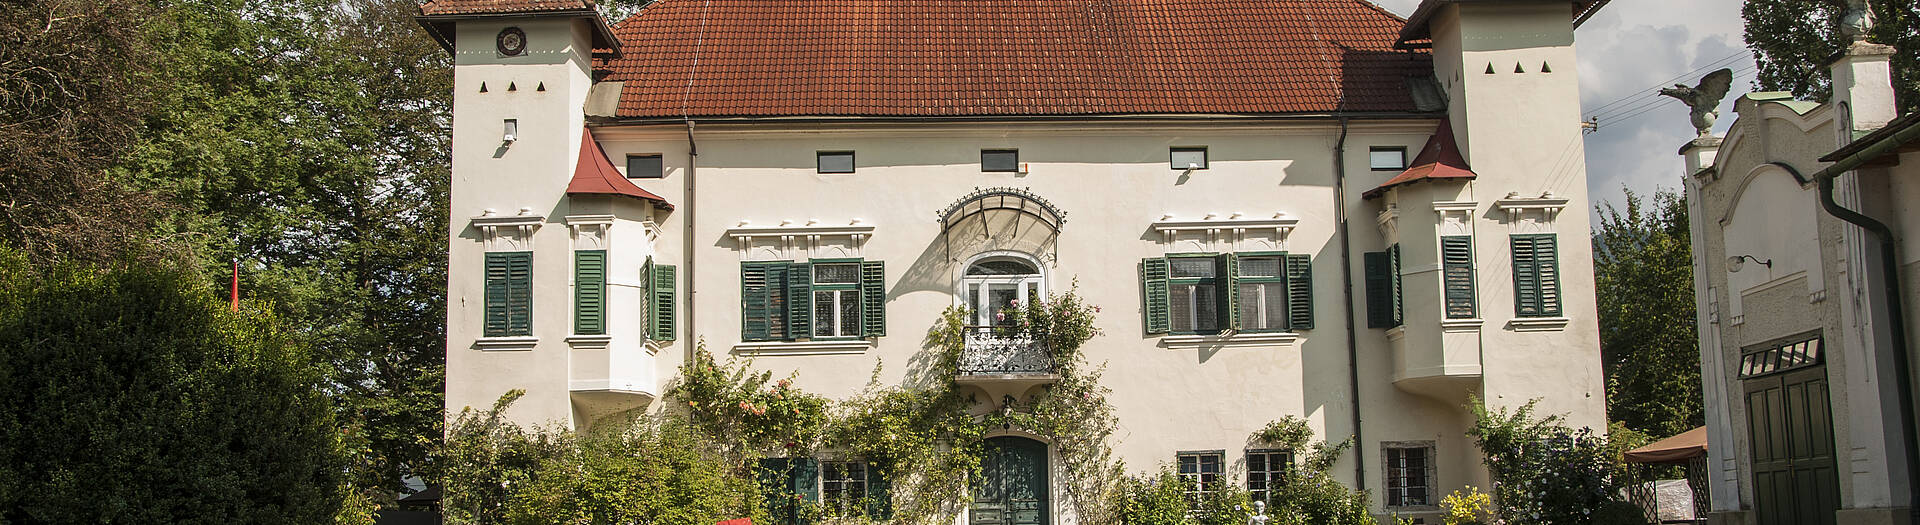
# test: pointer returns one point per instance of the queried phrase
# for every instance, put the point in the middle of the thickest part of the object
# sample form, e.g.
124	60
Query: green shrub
1311	495
1545	473
129	394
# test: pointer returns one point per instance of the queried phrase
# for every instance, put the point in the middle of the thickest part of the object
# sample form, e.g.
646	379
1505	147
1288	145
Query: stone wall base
1878	516
1729	517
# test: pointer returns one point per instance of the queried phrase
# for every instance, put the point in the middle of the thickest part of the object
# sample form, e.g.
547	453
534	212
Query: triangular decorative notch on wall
483	87
1544	68
1517	69
512	87
542	88
1489	68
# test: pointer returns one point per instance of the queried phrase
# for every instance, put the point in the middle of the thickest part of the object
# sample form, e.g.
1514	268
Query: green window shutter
1393	272
1299	272
1456	261
590	292
1379	298
776	487
664	298
1153	293
495	324
755	302
1546	254
879	491
1526	277
873	298
1226	271
806	478
799	300
509	294
646	297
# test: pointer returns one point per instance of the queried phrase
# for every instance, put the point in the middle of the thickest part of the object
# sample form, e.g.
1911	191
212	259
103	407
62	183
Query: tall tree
1643	269
75	79
309	139
1793	41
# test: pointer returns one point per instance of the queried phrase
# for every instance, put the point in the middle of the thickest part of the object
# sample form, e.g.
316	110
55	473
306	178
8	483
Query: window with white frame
1200	473
1409	474
1267	470
1387	157
836	299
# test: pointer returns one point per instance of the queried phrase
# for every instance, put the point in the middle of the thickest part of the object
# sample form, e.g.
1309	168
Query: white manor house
1312	208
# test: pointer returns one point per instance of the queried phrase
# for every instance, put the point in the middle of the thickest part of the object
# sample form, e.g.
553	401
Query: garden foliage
1545	473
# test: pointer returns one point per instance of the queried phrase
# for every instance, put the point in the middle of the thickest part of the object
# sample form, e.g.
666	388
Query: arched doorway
1012	487
992	284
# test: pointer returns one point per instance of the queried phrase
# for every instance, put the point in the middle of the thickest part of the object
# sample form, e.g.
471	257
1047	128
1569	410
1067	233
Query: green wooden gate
1012	487
1790	428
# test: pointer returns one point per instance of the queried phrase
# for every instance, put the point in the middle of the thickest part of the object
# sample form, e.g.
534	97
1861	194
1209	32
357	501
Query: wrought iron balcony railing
1003	350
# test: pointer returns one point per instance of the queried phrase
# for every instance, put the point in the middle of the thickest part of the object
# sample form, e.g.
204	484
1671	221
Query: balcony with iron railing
1005	360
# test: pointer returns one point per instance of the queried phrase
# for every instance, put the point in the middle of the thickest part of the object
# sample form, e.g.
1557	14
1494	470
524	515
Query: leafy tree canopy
1794	40
1643	270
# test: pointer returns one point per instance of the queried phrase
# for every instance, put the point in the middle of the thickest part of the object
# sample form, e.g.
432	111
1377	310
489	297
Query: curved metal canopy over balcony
976	205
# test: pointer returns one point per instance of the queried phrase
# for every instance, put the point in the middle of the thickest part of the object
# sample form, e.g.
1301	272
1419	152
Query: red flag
236	285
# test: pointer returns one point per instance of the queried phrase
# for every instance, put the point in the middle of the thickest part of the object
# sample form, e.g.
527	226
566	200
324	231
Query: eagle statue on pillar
1704	98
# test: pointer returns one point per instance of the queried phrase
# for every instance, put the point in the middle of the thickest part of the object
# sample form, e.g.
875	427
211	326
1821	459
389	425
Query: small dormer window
834	162
1188	158
1387	158
645	167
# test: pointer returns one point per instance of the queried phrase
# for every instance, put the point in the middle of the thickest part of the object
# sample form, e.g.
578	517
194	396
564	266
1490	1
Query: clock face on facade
512	42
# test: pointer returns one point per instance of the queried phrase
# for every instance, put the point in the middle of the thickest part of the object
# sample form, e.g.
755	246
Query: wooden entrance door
1012	488
1791	431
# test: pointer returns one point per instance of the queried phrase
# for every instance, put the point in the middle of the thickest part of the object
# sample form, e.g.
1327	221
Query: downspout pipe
1890	276
687	247
1346	281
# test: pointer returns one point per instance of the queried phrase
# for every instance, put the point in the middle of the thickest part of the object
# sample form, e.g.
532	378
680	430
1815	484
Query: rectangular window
645	167
1536	275
1267	470
1192	298
843	487
1387	158
834	161
1188	158
1000	160
787	301
1456	270
509	294
1200	472
1409	474
1263	293
1205	294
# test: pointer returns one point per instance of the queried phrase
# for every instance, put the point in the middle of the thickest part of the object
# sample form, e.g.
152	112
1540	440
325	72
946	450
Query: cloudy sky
1630	48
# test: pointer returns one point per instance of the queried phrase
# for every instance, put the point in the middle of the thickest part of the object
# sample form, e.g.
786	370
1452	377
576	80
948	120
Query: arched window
992	284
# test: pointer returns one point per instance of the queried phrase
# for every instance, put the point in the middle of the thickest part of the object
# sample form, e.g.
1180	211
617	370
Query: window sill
589	342
506	343
1397	333
1538	324
776	348
1229	340
1462	324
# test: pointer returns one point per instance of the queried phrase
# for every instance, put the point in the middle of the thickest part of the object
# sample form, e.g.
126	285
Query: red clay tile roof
469	7
595	175
1440	159
760	58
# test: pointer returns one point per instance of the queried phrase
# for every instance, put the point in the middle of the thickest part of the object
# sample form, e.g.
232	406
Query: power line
1640	95
1651	101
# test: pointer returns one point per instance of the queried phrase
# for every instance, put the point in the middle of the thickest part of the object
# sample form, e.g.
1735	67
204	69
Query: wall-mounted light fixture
513	131
1735	262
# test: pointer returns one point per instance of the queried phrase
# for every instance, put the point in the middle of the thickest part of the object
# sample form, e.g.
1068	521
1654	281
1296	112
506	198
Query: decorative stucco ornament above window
1531	214
1002	219
792	242
1237	232
508	233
